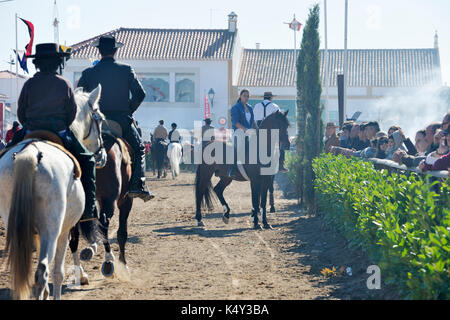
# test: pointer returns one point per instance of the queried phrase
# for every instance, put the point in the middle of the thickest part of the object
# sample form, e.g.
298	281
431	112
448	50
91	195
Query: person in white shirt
174	135
261	111
265	108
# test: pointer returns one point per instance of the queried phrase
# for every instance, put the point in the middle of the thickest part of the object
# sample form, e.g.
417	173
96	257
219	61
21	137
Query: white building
179	66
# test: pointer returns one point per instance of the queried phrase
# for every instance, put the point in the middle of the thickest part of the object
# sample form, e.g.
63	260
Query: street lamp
211	95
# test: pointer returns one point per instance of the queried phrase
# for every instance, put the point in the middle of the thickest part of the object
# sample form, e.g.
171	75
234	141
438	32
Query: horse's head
88	122
279	120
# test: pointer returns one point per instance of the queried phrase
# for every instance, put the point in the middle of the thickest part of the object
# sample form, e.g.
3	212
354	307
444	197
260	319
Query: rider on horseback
117	81
174	135
47	103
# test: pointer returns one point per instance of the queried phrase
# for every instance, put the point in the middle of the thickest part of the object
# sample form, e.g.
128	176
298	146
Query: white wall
210	74
8	87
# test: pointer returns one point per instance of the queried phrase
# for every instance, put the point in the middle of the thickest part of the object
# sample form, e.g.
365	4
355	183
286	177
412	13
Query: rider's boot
87	164
138	188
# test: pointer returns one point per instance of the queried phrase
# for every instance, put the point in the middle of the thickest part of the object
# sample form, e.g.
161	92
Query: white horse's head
88	122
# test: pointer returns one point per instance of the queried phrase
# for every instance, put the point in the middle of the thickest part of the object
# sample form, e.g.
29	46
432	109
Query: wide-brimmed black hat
48	50
268	95
207	120
107	42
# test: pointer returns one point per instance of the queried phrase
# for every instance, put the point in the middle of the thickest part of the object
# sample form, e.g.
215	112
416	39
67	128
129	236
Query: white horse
174	154
42	200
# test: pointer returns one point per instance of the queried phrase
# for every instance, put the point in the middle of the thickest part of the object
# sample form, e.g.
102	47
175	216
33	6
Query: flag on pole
295	25
207	107
23	60
28	47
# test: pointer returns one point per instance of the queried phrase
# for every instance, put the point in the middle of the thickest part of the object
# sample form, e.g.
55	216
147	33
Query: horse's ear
286	113
94	96
78	90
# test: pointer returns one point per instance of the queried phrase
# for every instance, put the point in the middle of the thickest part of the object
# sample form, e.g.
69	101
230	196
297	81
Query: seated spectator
331	139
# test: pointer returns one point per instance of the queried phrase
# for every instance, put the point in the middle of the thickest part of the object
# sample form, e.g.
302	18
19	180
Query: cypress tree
309	122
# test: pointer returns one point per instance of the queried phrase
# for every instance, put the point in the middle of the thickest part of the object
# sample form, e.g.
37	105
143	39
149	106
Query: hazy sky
372	23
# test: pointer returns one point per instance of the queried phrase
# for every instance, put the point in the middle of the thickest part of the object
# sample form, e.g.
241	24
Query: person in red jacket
11	132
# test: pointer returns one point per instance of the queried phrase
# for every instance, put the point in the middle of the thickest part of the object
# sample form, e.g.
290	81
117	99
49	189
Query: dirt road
169	257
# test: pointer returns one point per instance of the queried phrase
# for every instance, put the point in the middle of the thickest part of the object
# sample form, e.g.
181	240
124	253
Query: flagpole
17	70
327	111
345	61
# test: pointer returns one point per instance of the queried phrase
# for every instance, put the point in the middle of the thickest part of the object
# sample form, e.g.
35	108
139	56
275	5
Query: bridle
96	120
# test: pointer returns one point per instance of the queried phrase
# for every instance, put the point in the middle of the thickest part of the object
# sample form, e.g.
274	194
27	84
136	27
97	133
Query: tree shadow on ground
319	247
200	231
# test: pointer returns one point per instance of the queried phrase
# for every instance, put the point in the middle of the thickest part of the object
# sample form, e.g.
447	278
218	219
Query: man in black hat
261	111
47	102
205	128
117	81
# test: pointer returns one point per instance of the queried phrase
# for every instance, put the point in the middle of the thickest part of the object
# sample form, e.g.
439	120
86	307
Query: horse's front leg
106	214
255	186
219	189
122	234
271	197
265	183
81	277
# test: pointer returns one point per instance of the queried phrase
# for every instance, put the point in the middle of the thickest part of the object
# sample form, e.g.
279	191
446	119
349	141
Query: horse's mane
276	116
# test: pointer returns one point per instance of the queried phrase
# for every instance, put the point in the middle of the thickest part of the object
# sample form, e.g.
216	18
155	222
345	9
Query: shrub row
396	219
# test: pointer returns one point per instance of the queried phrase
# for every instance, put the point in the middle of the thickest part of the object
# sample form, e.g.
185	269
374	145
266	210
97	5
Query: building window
185	87
156	86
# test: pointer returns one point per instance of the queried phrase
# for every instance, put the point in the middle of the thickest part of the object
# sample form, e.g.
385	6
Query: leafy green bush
397	219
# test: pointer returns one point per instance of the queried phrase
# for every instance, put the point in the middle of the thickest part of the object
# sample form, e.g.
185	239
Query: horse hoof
86	254
200	224
225	219
272	209
108	269
84	281
257	226
267	226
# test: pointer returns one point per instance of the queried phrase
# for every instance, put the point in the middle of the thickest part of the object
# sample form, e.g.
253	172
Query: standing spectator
430	132
363	141
345	141
354	136
11	132
371	130
331	138
443	162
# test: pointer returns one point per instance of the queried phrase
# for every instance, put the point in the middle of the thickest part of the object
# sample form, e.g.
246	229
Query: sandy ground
169	257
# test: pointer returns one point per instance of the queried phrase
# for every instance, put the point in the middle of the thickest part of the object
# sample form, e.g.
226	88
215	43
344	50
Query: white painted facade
208	74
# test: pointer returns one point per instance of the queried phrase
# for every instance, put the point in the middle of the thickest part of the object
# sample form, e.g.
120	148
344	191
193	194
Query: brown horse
112	191
259	182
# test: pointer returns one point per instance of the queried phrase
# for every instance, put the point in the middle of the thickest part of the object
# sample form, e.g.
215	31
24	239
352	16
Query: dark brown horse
259	182
112	191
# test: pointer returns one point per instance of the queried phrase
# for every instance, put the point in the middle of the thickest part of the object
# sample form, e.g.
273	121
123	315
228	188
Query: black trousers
131	135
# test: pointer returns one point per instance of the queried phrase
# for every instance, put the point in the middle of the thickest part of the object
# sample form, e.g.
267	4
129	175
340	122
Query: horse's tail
21	223
203	189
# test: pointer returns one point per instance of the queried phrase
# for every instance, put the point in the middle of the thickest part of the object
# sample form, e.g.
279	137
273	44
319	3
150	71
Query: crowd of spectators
429	152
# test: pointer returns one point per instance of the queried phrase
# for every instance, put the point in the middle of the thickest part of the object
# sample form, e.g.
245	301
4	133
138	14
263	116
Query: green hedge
402	225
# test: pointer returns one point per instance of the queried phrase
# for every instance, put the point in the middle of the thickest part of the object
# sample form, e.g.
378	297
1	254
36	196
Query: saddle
53	140
112	127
